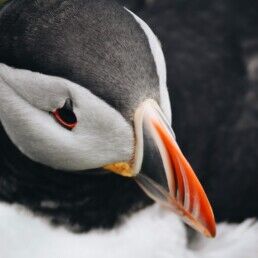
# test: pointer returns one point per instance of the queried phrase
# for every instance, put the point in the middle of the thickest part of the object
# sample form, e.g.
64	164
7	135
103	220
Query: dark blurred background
211	49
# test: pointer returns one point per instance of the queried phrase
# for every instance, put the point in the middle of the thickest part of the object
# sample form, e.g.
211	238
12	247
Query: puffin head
83	87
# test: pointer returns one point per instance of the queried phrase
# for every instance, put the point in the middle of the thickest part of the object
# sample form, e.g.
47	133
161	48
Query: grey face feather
101	136
114	60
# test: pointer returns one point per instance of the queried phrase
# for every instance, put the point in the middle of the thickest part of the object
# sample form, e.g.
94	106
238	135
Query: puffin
86	117
85	126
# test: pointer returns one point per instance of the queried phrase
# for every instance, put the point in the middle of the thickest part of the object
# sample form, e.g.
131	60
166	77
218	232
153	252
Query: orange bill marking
189	198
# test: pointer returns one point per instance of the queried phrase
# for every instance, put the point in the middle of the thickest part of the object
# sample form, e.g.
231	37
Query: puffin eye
65	115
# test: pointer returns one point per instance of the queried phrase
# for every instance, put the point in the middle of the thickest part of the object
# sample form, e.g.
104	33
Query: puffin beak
162	171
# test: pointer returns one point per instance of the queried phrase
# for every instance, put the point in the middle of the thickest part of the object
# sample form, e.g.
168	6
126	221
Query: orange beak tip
169	180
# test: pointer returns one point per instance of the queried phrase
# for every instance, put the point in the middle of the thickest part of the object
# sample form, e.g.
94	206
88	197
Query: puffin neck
79	201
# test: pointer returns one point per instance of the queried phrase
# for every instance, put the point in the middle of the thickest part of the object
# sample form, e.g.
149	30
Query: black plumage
208	46
79	200
96	44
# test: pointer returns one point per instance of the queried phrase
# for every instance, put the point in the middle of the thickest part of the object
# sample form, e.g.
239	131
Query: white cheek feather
102	135
160	65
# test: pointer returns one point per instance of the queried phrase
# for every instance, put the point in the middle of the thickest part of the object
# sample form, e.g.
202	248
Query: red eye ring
65	115
61	120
